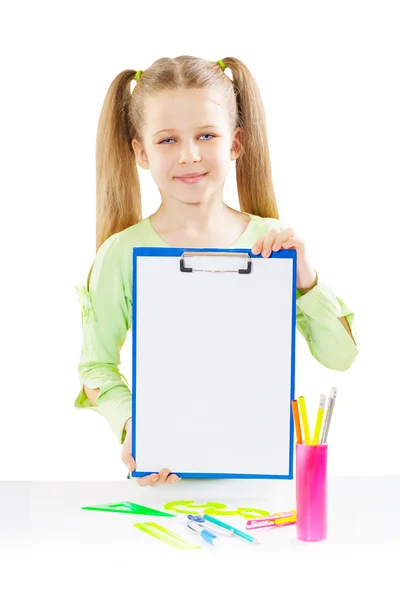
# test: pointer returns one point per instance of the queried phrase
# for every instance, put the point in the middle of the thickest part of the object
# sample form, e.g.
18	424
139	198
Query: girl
185	120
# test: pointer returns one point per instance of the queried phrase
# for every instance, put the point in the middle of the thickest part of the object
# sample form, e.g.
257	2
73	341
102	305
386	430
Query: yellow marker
303	413
283	520
320	416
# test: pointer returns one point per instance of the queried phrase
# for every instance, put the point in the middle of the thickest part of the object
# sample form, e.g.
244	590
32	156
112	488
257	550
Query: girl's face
185	132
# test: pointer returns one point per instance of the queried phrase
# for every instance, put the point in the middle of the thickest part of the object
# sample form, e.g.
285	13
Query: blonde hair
118	199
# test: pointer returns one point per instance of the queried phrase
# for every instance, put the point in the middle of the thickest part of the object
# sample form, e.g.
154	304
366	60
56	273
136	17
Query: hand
274	240
152	480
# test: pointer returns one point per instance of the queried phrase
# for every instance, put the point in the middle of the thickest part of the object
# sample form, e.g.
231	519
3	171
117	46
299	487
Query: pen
237	532
296	418
304	419
320	415
329	410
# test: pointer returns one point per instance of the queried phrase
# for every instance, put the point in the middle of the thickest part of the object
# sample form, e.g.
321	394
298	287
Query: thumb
126	454
130	463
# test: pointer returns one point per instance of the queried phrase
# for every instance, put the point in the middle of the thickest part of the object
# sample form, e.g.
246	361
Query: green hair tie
138	74
223	67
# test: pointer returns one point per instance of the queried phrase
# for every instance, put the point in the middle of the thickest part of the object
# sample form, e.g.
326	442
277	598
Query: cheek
223	162
161	165
217	157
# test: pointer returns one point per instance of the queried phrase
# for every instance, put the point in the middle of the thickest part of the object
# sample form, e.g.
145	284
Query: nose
189	153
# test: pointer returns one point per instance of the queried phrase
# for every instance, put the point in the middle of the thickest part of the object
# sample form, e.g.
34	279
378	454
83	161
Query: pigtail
253	167
118	200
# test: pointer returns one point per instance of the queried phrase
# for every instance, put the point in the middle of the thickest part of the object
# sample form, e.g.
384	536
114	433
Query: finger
257	247
163	474
281	238
294	242
129	462
267	243
148	479
173	478
289	243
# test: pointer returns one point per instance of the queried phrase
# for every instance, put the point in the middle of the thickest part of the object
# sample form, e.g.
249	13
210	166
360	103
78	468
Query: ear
140	154
236	147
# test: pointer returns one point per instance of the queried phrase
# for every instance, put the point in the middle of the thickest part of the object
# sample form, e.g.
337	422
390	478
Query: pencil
224	525
320	416
296	418
303	412
329	409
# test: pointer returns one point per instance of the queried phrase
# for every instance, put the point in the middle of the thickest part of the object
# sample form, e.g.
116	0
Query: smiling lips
192	177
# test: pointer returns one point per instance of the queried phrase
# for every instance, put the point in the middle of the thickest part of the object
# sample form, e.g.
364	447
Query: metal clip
246	271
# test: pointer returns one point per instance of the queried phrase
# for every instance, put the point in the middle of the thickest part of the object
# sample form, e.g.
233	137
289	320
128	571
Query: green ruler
166	536
130	508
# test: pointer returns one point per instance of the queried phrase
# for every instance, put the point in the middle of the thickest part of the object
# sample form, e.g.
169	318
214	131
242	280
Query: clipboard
213	362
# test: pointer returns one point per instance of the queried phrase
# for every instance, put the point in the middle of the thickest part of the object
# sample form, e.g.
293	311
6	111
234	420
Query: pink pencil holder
311	492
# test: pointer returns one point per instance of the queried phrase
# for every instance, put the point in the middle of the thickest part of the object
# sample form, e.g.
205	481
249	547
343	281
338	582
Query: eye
169	139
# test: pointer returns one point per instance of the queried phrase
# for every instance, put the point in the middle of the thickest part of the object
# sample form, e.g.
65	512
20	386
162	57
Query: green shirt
107	315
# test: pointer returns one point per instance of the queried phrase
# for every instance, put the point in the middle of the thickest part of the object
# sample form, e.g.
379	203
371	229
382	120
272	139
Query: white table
44	532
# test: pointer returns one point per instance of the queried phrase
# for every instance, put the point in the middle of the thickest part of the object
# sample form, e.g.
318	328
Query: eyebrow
200	127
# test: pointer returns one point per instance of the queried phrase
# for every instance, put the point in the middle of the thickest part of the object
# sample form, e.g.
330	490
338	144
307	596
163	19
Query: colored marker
303	412
320	415
272	520
283	522
259	523
296	418
284	515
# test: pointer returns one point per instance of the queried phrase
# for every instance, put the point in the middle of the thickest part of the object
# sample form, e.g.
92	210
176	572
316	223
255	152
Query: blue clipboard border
163	251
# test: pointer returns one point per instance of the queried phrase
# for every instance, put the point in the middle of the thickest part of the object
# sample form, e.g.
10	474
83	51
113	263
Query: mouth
192	179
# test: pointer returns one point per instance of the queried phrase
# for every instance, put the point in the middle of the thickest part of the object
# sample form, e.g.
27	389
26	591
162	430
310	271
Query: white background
327	75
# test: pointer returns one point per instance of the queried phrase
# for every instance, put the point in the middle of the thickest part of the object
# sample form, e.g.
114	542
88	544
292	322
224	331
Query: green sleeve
317	313
106	318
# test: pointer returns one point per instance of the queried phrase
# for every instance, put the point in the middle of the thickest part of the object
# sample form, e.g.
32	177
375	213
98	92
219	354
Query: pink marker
258	523
269	521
